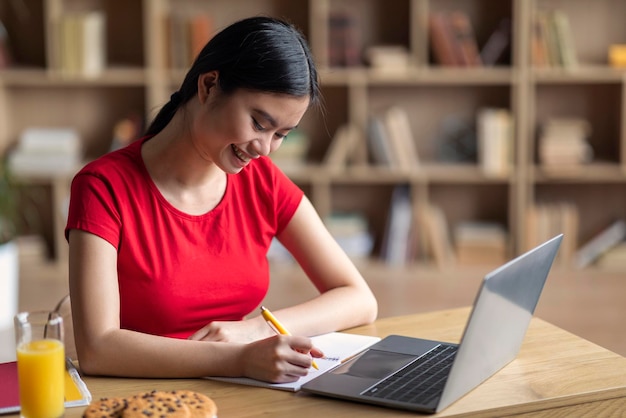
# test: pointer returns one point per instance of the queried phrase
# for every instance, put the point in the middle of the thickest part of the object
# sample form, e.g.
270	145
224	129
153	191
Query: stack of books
47	151
563	143
480	243
388	58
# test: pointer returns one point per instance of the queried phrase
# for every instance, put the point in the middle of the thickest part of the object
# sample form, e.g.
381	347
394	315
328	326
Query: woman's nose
261	145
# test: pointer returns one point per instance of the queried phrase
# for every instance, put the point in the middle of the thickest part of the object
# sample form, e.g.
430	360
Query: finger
302	344
316	352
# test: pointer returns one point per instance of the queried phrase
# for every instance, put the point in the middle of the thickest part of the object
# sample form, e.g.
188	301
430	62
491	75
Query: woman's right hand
279	359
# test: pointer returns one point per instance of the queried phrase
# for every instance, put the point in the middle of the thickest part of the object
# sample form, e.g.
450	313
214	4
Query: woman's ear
207	85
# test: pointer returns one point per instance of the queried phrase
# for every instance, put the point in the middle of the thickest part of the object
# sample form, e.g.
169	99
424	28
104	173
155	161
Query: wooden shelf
137	79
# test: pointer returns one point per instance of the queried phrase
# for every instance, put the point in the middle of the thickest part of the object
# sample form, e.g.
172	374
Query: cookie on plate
200	406
105	408
156	404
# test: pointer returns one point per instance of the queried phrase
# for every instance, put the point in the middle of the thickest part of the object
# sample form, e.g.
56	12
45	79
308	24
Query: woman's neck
188	182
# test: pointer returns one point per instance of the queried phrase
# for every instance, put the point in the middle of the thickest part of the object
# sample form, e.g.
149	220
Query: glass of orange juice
40	364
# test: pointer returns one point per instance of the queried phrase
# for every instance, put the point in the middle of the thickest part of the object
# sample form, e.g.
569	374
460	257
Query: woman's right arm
104	348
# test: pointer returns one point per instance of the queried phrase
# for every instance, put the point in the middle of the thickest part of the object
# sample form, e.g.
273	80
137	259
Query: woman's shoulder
121	162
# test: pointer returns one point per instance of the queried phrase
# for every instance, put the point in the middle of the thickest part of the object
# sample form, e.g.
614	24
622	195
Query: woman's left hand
245	331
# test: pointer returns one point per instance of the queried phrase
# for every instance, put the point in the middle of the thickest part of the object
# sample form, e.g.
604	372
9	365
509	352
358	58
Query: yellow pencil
269	317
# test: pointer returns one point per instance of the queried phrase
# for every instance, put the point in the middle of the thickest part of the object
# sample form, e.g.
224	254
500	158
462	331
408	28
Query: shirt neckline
166	204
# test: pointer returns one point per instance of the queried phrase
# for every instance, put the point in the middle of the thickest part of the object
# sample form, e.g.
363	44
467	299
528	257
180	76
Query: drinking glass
40	364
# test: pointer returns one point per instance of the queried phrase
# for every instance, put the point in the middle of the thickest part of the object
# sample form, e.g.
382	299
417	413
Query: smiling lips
243	157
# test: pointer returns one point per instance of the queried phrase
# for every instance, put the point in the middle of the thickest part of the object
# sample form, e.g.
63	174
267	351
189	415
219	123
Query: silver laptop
427	376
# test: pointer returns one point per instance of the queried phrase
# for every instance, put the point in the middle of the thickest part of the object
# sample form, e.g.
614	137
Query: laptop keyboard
421	381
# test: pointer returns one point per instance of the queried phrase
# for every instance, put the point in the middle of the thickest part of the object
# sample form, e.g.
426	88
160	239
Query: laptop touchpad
374	364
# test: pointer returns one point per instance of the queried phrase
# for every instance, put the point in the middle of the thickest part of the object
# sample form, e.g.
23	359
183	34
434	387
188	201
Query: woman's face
232	130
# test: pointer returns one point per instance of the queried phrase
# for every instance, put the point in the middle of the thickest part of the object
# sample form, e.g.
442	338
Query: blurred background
455	135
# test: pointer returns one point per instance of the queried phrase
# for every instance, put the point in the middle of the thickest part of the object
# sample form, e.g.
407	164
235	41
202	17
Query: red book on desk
76	392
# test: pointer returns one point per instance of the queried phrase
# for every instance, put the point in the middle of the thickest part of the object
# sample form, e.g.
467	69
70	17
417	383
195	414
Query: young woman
168	236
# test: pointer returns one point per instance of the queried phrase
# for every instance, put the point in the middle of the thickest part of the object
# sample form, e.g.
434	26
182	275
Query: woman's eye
257	125
280	136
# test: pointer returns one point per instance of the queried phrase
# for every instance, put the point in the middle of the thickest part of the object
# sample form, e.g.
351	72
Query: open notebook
336	346
76	392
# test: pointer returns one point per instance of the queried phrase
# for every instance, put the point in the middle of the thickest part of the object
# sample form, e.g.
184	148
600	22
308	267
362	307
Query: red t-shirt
178	272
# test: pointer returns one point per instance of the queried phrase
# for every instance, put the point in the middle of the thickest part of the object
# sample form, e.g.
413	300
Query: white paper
336	347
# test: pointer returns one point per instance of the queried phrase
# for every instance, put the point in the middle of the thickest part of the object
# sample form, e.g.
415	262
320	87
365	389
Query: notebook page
336	347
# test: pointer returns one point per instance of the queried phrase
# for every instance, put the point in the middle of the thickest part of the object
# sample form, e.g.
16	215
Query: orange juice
40	370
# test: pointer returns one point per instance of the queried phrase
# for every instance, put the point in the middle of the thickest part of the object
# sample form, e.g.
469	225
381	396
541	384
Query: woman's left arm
345	299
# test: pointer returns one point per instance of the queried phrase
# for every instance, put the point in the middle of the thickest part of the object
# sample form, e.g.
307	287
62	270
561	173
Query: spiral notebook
76	391
336	346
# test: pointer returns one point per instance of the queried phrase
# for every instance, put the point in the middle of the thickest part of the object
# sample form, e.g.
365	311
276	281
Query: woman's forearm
131	354
334	310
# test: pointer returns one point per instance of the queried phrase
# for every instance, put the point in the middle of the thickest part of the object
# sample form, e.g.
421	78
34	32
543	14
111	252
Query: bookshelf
442	101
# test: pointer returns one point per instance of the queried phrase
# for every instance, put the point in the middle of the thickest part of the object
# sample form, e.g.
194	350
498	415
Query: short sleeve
93	208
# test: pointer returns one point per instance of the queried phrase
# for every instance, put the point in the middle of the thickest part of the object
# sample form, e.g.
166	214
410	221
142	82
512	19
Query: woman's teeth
239	154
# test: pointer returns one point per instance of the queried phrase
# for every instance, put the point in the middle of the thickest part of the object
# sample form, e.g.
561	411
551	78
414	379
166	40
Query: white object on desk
8	299
336	346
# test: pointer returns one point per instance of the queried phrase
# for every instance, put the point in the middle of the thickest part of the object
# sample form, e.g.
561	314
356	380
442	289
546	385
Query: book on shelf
564	39
452	39
378	142
480	243
552	42
466	47
201	30
346	147
344	49
494	51
437	241
609	237
396	240
403	146
547	219
187	34
494	132
441	40
539	41
390	140
82	44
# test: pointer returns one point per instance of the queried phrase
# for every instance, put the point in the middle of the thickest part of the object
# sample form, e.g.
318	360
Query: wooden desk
555	374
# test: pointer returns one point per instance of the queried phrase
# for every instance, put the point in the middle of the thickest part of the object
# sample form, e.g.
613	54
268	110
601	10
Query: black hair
258	53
